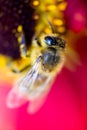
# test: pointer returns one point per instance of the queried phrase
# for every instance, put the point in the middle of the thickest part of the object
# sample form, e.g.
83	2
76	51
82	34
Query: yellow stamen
35	3
20	28
58	22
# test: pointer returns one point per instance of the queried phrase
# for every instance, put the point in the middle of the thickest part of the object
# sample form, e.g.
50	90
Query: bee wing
19	93
72	61
37	102
15	98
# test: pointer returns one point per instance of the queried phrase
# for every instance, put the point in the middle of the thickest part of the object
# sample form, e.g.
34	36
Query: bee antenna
52	28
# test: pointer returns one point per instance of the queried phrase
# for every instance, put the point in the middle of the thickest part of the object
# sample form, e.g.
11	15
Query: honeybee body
48	51
51	54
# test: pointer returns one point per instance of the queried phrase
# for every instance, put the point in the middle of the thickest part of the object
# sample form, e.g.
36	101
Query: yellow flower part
3	61
20	28
46	11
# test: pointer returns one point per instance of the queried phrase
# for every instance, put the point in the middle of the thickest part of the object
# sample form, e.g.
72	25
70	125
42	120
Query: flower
76	15
66	105
14	14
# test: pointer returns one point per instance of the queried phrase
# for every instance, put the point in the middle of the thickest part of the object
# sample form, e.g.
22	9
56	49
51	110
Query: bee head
54	41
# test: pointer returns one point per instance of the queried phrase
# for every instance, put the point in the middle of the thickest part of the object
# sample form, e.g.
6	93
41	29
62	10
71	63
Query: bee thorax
50	59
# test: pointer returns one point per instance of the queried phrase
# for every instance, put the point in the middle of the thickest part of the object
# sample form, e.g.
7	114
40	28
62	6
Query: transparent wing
36	104
40	96
72	59
19	93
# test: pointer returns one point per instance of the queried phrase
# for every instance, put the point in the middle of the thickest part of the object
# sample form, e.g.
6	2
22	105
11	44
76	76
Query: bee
35	85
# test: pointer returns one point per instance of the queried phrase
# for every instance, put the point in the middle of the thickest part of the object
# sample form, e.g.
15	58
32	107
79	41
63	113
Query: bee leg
18	66
37	40
23	47
14	70
38	43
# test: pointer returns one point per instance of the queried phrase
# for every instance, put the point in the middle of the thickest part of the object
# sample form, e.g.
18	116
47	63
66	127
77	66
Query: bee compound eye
49	40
